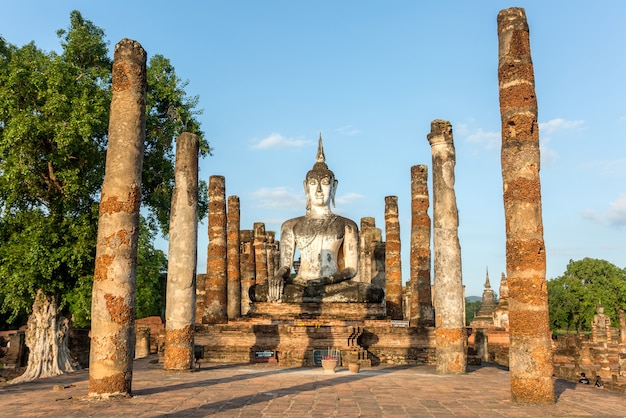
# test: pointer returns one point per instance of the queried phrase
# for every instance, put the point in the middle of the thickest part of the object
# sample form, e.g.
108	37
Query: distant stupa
484	316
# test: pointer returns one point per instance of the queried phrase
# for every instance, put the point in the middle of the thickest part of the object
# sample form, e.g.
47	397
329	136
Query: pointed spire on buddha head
320	169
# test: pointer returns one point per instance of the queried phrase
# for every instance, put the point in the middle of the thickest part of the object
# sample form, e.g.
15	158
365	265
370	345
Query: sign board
264	356
403	324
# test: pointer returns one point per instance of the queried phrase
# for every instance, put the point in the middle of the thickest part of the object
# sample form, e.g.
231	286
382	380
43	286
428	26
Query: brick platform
262	390
294	341
322	311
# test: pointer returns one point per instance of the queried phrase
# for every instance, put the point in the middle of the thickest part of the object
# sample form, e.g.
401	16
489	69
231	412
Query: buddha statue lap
328	245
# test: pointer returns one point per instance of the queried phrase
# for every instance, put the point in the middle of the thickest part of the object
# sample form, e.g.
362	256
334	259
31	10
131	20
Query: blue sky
371	76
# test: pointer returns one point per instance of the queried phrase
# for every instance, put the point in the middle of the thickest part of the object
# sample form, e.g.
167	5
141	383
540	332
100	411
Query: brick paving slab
261	390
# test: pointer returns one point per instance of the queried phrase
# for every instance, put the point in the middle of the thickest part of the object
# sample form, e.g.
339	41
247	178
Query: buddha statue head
320	184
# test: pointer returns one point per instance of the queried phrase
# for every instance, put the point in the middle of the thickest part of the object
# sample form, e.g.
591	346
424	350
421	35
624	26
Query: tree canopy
53	136
573	298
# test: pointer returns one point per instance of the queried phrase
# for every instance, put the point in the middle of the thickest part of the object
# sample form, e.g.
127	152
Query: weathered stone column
113	297
247	268
393	262
260	253
180	304
451	338
142	342
234	272
622	331
365	250
371	246
200	296
275	253
216	284
270	247
530	355
421	299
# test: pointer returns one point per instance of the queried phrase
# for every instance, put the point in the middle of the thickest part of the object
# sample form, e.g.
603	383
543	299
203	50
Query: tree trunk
46	338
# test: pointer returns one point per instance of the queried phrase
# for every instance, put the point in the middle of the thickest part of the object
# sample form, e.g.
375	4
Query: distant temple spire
484	316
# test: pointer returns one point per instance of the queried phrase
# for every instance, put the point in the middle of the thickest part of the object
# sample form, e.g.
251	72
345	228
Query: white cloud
615	168
610	168
554	126
559	124
490	140
348	198
347	130
278	198
275	140
548	155
591	215
614	216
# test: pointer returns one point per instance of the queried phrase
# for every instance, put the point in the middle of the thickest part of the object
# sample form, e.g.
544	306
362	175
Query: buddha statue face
319	190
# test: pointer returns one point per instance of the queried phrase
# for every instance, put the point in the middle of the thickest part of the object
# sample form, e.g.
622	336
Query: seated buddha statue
328	246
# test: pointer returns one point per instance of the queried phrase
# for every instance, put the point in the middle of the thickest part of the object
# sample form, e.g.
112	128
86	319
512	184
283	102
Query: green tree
471	308
53	135
151	275
573	298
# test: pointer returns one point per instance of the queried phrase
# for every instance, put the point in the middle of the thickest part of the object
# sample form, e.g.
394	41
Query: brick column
234	272
260	253
270	247
113	300
216	283
247	268
180	304
393	263
530	355
421	300
200	296
451	338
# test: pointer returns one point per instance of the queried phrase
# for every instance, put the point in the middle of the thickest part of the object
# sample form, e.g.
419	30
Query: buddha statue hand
276	285
339	276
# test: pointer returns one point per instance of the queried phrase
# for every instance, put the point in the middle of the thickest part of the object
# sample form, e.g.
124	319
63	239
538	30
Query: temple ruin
257	302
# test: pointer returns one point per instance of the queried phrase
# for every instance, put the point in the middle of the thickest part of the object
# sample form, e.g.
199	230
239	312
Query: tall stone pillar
393	263
260	253
113	300
451	338
421	310
180	304
200	296
247	268
530	355
216	283
270	247
622	330
234	272
365	249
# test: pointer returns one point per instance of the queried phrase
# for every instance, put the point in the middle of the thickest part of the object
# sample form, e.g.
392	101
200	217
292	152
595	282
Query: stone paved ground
246	390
